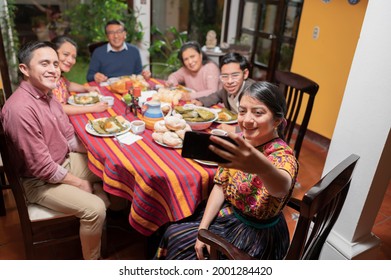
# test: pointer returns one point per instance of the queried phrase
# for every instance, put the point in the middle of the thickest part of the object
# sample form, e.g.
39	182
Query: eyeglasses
234	76
118	32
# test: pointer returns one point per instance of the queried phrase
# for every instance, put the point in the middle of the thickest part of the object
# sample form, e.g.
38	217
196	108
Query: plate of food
205	162
172	95
107	127
119	85
199	118
168	146
84	99
169	139
226	116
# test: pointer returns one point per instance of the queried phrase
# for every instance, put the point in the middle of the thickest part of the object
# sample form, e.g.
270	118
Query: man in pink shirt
52	161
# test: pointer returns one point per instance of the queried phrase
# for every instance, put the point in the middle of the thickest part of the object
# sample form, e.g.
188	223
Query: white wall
363	128
233	19
144	16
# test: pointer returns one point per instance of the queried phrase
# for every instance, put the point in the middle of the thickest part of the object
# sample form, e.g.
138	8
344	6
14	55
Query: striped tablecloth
161	185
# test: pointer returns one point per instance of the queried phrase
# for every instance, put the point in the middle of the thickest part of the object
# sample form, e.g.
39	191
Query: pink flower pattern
61	91
246	191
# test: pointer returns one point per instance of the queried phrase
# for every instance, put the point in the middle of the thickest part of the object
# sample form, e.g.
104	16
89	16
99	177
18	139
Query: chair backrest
42	228
296	89
319	210
5	76
94	45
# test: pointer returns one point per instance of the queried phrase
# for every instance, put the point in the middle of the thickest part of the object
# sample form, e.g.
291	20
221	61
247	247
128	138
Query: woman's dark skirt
266	243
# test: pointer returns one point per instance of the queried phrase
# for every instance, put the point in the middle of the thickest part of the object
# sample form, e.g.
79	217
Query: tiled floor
124	243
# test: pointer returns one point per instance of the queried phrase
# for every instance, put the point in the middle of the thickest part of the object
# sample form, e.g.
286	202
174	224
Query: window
270	28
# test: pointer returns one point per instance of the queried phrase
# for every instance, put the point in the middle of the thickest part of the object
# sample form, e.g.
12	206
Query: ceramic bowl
202	125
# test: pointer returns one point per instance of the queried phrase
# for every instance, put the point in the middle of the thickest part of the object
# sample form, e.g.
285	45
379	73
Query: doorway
270	28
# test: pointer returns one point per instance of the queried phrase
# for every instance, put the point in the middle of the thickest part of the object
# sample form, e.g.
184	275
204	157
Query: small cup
109	100
137	127
219	132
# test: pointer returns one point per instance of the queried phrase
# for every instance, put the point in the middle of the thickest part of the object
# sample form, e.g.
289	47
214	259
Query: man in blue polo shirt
117	58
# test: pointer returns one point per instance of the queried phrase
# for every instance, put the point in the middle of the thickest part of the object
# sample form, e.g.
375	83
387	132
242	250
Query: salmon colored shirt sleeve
203	82
40	132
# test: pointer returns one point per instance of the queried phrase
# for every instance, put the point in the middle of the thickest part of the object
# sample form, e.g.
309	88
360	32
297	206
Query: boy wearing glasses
234	71
116	58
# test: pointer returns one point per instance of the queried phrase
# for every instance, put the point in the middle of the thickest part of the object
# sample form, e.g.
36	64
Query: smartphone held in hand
196	146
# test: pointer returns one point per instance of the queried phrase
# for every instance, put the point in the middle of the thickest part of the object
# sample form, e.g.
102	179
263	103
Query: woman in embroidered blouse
198	73
67	52
246	202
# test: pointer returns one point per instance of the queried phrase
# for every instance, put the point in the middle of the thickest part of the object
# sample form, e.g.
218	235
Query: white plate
92	131
205	162
227	122
71	99
164	145
109	81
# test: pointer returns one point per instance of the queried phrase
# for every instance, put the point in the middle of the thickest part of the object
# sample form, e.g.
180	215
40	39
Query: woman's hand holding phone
196	146
242	156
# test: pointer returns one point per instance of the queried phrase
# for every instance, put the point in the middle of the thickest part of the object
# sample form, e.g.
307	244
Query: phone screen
195	146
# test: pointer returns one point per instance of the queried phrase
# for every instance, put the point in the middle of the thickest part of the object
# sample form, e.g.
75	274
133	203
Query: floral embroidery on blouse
246	191
61	91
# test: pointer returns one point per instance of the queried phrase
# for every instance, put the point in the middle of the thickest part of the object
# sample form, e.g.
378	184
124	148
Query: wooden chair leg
103	250
2	203
3	186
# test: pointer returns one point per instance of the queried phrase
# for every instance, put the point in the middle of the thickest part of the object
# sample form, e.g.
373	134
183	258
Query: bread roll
171	139
160	126
157	136
174	123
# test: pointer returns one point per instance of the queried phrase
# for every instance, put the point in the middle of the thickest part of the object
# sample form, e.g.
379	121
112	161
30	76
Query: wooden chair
94	45
318	211
47	234
5	93
296	88
3	186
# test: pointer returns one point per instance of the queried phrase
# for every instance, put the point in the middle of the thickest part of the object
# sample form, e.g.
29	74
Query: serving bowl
196	125
203	125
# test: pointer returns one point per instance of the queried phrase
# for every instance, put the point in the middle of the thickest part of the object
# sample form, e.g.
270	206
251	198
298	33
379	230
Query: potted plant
87	21
10	38
164	50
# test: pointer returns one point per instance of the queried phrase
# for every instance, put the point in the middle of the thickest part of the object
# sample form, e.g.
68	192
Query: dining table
161	185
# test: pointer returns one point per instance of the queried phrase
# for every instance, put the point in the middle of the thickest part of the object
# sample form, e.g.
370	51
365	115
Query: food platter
89	128
205	162
198	117
71	99
171	95
227	117
120	84
92	131
164	145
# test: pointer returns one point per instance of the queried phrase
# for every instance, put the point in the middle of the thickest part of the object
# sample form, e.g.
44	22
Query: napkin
128	138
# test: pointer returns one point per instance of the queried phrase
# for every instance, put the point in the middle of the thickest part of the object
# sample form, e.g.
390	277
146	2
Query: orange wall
327	60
